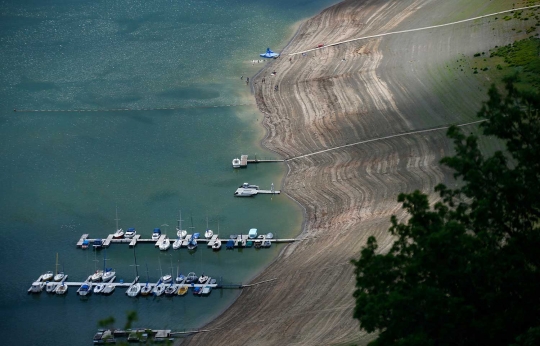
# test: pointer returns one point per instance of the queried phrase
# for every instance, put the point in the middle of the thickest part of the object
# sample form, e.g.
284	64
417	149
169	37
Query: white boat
206	290
61	289
146	289
269	236
208	234
180	279
58	276
166	278
203	279
99	288
134	290
159	289
192	244
191	278
36	287
177	244
241	192
217	245
97	276
156	234
236	163
50	287
130	233
108	275
119	232
249	186
109	289
171	289
180	233
85	289
48	276
165	244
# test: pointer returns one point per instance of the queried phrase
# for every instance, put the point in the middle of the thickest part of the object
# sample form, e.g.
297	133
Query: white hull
62	289
217	245
208	234
133	290
177	244
165	244
181	233
236	163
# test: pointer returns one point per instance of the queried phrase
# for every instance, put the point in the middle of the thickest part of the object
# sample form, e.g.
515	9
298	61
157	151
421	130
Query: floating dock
137	239
244	161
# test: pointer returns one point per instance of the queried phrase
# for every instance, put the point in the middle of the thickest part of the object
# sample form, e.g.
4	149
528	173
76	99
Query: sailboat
135	288
119	232
58	276
217	243
165	244
62	289
108	273
98	274
164	278
209	233
146	289
192	244
181	233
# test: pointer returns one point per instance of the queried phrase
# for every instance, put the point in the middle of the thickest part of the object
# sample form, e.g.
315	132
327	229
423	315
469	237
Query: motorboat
230	244
266	243
192	244
165	244
236	163
48	276
156	234
146	289
182	290
36	287
208	234
217	245
159	289
134	290
177	243
99	288
180	233
249	243
206	290
212	281
249	186
242	192
61	289
240	241
180	279
108	275
203	279
269	54
130	233
119	234
85	289
59	277
197	290
50	286
191	278
109	289
252	233
171	289
166	278
85	244
97	276
257	244
269	236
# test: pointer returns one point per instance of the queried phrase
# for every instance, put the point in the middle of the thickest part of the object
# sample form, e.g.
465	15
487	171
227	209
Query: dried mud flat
345	94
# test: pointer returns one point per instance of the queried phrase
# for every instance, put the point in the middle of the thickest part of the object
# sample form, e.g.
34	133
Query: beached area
353	92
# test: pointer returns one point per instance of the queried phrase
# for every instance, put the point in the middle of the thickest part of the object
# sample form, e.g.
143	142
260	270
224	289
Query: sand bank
346	94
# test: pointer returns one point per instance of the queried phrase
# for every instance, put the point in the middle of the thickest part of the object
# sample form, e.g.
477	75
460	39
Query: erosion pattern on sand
345	94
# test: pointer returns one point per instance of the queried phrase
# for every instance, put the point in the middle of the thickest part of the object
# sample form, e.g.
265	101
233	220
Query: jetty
248	190
244	161
137	239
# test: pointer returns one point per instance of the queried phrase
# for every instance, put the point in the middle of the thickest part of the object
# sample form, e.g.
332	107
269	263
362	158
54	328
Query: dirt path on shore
347	94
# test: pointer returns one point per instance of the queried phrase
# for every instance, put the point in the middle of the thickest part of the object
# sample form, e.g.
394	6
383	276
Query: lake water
63	173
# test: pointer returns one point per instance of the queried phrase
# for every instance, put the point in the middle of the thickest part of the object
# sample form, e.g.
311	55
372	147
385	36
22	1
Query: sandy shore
345	94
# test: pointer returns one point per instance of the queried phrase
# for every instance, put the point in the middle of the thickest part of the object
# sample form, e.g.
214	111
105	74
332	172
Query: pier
137	239
244	161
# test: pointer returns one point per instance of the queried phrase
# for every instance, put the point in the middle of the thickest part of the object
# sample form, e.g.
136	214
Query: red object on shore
320	45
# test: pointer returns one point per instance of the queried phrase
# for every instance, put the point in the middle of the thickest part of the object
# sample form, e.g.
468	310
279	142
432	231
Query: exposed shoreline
342	95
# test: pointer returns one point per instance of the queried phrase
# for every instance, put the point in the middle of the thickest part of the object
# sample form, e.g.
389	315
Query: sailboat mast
56	264
117	219
135	257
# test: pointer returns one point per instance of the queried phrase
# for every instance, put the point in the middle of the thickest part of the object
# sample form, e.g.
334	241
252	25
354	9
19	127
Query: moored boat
236	163
206	290
269	236
48	276
130	233
98	244
197	290
133	290
208	234
156	234
182	290
217	245
180	233
119	234
146	289
108	275
36	287
191	278
61	289
99	288
159	289
165	244
97	276
109	289
85	244
171	289
203	279
85	289
177	243
50	287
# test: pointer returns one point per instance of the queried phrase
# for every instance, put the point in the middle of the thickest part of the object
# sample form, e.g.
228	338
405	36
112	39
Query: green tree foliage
465	271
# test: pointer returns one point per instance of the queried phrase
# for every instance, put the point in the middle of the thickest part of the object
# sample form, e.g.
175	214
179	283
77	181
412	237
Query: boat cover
157	230
230	243
196	236
269	54
253	233
131	229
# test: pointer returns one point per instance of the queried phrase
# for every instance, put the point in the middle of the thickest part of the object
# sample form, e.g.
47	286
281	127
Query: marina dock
137	239
244	161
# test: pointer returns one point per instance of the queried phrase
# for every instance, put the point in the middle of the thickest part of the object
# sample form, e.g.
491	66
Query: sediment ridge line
129	109
412	30
385	137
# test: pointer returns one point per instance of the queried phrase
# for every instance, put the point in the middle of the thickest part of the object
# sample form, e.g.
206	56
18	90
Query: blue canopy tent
269	54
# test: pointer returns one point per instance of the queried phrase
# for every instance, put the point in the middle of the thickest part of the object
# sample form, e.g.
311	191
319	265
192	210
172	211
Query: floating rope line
128	109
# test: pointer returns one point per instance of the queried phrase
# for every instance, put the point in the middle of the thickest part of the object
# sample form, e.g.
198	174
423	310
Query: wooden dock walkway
244	161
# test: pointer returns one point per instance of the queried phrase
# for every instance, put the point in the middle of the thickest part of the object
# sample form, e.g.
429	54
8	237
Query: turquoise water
63	173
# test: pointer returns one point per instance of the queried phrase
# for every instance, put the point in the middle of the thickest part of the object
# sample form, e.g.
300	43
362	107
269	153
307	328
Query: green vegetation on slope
467	270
